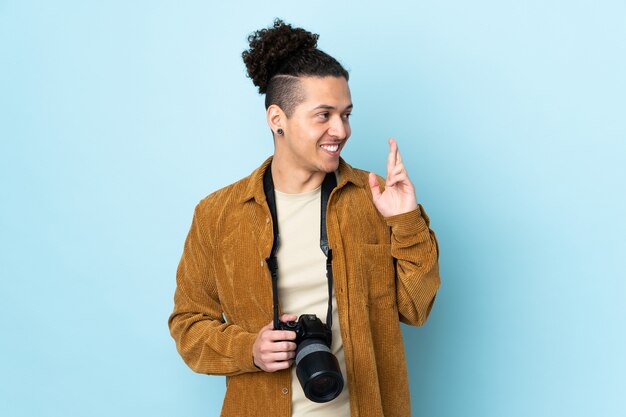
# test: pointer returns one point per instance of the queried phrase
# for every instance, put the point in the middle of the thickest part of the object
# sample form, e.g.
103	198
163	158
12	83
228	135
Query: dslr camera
316	367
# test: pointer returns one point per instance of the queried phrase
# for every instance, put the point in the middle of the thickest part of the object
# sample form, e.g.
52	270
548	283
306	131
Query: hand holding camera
274	350
308	338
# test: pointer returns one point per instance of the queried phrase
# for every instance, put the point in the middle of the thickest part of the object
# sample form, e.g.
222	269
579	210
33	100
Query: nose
338	128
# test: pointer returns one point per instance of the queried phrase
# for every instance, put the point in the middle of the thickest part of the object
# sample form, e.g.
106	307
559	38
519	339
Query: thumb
374	186
288	317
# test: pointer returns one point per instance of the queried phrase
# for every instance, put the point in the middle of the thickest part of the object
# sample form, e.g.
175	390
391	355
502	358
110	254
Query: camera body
316	367
308	326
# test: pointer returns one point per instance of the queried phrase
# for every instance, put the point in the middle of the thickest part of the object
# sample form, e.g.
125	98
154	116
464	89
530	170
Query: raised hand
399	195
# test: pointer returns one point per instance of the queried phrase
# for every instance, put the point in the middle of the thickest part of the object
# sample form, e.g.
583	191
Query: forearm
210	346
415	248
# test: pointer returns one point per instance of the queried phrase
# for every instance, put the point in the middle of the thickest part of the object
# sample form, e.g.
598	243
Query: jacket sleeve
206	342
415	249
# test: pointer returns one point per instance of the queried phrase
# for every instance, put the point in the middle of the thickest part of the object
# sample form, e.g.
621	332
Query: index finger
278	335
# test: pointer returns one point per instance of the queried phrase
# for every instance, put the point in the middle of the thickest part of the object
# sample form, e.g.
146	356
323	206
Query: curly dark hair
280	54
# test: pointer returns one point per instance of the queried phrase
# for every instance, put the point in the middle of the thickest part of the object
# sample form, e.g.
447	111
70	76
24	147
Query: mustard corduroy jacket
385	271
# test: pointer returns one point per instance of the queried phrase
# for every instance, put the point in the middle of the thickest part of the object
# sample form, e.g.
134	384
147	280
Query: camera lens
318	371
323	385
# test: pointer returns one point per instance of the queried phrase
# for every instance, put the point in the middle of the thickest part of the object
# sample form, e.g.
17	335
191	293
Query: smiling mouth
330	148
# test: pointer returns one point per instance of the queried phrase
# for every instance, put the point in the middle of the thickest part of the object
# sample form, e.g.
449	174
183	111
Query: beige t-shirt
303	288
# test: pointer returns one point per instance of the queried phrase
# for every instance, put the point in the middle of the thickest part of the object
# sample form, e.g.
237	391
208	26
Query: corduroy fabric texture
385	271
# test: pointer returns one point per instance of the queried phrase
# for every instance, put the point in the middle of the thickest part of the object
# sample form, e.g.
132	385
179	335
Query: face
319	127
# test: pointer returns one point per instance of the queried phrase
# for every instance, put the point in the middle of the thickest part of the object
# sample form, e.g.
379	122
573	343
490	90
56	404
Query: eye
347	116
323	115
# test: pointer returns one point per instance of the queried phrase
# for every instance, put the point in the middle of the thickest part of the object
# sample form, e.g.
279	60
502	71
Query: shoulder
355	179
232	198
226	212
223	199
361	174
347	174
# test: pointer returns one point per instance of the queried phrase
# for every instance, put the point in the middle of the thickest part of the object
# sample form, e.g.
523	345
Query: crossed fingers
396	172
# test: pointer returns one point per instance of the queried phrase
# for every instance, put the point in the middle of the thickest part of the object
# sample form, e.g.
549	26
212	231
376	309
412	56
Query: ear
276	118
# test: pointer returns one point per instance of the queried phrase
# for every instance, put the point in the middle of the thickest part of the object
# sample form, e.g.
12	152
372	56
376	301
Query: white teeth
331	148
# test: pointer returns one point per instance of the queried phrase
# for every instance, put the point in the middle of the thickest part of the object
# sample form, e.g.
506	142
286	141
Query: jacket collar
254	188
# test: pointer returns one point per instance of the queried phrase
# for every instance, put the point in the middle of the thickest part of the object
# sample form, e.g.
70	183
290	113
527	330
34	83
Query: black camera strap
329	183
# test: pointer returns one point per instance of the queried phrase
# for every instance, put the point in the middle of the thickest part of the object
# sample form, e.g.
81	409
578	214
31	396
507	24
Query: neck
294	180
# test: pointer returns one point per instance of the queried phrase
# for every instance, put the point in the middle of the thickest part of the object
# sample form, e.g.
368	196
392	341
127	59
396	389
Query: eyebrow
327	107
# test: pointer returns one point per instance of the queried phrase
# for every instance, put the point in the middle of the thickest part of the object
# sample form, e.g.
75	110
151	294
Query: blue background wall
117	117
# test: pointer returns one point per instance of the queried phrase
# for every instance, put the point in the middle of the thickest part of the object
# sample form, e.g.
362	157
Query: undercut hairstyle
278	56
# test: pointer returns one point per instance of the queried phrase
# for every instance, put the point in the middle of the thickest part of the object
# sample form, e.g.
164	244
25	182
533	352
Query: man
384	256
